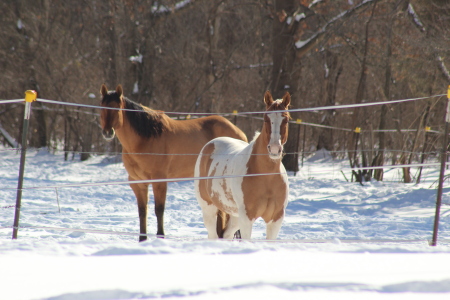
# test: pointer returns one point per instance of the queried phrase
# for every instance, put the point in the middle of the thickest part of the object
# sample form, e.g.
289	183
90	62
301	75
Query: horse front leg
141	193
159	193
273	228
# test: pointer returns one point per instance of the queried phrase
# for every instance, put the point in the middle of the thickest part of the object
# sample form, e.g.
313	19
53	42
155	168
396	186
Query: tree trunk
379	159
283	56
361	84
333	70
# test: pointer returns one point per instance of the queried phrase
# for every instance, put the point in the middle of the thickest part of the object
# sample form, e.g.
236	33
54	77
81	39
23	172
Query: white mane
257	133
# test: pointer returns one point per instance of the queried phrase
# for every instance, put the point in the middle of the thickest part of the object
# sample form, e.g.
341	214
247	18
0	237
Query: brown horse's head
276	123
111	118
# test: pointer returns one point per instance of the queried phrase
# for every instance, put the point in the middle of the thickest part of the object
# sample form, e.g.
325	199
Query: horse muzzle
275	151
108	134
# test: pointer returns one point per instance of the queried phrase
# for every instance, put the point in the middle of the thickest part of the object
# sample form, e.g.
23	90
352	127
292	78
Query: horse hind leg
210	219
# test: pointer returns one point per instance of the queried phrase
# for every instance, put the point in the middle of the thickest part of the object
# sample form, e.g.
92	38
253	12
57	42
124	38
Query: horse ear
119	90
268	98
104	90
286	100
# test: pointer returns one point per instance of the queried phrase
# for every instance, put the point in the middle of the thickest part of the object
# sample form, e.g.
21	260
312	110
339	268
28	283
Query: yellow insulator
30	96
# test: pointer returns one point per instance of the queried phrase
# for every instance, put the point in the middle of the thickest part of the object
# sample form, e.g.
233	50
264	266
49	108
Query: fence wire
310	109
241	114
248	114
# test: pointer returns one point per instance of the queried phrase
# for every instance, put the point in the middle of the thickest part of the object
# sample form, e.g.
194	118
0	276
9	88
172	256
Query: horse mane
146	122
257	133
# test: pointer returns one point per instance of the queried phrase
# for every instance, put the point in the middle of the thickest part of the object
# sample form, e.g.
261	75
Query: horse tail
222	221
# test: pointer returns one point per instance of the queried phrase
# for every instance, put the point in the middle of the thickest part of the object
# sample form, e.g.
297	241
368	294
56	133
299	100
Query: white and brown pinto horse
246	198
154	146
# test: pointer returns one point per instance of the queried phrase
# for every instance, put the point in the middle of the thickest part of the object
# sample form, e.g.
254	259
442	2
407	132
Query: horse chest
137	167
265	196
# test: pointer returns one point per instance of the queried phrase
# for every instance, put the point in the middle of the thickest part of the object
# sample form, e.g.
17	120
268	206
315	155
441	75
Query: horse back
181	142
217	126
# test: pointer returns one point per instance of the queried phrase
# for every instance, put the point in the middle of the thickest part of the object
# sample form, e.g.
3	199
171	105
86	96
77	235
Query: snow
299	17
315	2
339	240
415	17
136	58
19	24
289	20
160	8
300	44
135	88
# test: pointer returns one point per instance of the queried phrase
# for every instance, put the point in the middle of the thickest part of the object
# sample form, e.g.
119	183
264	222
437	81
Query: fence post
304	143
30	96
237	234
358	175
297	144
424	150
441	173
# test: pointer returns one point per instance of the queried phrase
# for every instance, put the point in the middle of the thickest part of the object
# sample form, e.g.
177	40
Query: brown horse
155	146
246	198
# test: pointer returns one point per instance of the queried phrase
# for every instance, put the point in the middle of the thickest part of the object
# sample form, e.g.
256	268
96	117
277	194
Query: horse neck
129	137
260	156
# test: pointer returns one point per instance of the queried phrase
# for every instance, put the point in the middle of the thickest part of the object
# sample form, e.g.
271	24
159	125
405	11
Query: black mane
144	121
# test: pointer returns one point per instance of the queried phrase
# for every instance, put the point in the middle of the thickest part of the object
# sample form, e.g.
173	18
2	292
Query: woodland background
219	56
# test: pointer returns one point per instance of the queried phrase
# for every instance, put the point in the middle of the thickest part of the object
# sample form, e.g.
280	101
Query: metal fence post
30	96
297	143
441	174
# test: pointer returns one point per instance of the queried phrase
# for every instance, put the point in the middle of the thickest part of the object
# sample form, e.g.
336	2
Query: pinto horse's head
111	118
276	120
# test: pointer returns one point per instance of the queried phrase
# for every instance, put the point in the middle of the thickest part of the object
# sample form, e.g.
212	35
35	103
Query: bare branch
306	45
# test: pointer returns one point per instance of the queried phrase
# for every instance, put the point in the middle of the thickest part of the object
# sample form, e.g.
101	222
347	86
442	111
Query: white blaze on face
275	147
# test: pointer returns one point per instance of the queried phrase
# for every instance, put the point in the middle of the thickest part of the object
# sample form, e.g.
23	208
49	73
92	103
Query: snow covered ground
340	240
